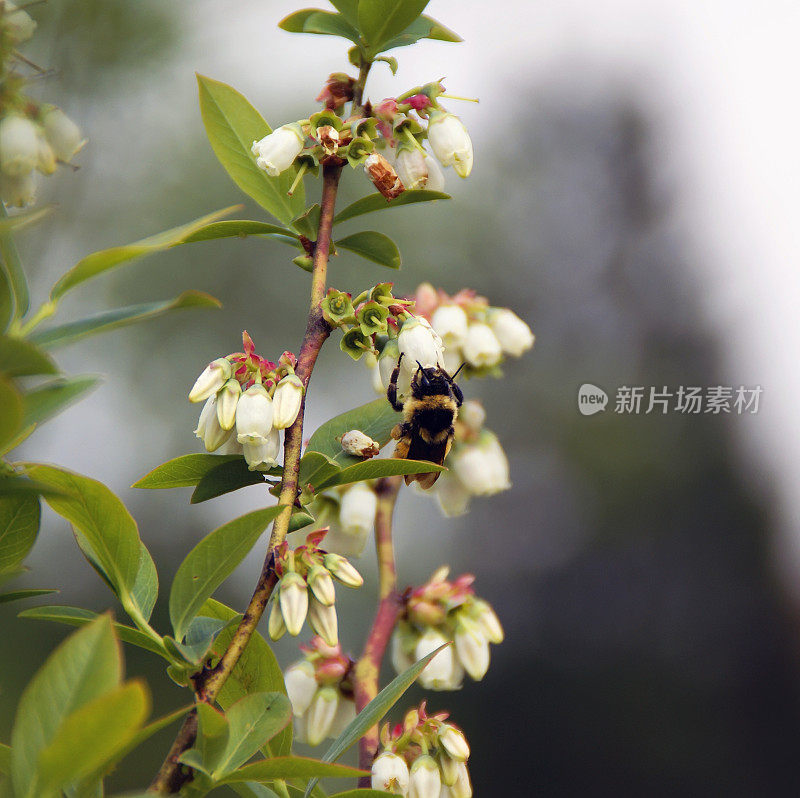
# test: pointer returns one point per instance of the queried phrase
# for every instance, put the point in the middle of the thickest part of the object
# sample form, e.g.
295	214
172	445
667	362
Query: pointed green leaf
373	246
24	218
93	737
184	471
19	524
77	616
109	320
20	358
380	20
376	419
239	228
85	666
227	477
257	671
145	586
377	202
212	561
18	484
307	223
313	20
6	303
232	125
213	731
423	28
18	595
252	789
290	767
199	638
374	711
100	262
52	398
374	469
348	9
104	528
253	720
11	405
316	468
5	758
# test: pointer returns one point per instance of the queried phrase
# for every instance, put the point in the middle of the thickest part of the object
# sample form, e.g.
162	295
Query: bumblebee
429	414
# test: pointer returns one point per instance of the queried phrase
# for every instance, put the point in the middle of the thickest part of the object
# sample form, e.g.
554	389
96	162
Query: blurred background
634	199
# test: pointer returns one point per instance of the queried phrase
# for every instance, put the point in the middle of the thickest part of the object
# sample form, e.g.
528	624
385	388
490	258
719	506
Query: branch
209	682
368	668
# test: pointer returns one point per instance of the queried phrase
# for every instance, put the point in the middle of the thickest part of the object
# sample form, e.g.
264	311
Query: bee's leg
457	393
401	430
391	391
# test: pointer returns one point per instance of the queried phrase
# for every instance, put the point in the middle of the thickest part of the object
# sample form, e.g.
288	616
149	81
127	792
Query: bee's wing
433	453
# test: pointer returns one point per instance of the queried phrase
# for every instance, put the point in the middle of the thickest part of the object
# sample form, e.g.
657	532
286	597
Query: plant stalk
367	670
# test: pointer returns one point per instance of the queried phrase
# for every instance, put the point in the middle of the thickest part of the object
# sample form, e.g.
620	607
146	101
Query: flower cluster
389	144
320	691
34	137
434	614
305	589
252	396
478	465
423	757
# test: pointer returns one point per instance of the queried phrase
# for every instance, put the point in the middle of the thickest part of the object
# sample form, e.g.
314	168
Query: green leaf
145	586
12	266
18	595
212	739
153	727
85	666
362	793
377	202
374	711
316	468
93	737
104	528
240	228
100	262
299	520
375	419
20	358
232	125
184	471
374	469
6	303
313	20
257	670
18	484
20	516
5	758
199	638
24	218
253	720
11	404
348	9
290	767
120	317
227	477
373	246
422	28
77	616
212	561
252	789
380	20
307	223
52	398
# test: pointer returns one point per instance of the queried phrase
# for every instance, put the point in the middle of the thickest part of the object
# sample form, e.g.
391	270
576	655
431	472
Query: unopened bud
383	175
343	570
294	602
208	428
454	742
462	787
449	768
63	135
211	380
357	444
276	626
323	621
321	714
227	399
489	623
321	584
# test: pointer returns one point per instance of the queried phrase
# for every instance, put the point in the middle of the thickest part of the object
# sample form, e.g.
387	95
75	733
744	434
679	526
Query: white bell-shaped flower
425	780
487	620
443	672
18	23
345	715
19	192
512	332
323	621
418	343
462	788
62	134
321	715
452	494
287	401
262	455
472	648
208	428
450	142
481	347
46	162
454	742
357	509
450	322
411	168
301	686
390	773
254	415
293	597
435	174
227	399
19	145
276	152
